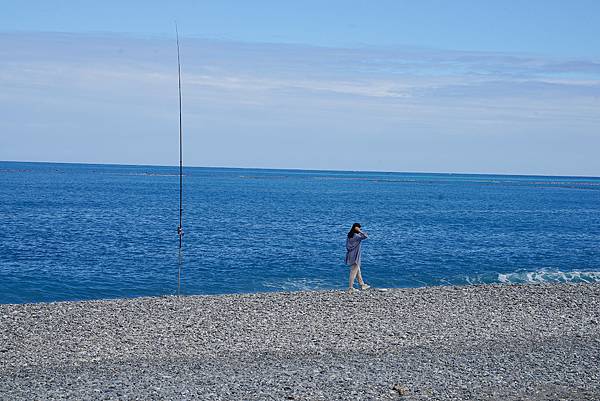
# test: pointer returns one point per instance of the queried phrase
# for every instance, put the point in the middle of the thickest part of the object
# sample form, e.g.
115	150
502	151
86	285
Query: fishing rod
180	227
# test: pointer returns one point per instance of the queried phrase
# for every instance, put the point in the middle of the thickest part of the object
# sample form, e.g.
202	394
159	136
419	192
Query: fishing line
180	227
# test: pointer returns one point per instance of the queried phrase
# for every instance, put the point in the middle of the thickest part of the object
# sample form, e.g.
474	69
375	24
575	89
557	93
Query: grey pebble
494	342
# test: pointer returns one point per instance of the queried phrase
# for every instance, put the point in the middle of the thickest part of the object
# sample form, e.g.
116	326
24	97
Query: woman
355	237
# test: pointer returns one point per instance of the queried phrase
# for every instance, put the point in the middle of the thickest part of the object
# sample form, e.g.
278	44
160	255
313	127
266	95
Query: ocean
83	231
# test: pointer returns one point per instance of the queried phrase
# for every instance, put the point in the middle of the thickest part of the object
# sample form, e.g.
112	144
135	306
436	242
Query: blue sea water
75	231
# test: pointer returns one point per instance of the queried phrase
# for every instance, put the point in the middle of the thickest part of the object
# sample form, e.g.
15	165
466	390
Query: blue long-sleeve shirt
353	248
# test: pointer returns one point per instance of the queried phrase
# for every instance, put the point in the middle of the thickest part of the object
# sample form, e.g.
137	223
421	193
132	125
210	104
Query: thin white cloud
288	90
38	58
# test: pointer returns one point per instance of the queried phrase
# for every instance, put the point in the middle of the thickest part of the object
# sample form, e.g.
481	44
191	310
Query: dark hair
352	232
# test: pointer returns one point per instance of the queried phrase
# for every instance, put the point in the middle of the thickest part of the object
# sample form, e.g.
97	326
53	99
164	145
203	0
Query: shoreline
479	342
309	291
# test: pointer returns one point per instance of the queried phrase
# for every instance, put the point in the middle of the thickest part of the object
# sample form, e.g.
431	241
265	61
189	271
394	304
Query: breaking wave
549	276
300	284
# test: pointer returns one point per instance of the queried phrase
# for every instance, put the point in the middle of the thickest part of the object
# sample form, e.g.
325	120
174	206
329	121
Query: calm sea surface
72	232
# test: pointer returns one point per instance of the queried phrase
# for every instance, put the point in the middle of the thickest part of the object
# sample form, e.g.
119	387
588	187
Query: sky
504	87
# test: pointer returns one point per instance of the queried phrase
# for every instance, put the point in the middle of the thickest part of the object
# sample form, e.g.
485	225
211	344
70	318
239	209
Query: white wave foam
549	276
301	284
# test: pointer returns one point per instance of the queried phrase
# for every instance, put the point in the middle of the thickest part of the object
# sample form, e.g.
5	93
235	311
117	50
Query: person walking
353	254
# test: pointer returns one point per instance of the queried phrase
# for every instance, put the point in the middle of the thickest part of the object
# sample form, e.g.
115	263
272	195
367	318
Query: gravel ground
493	342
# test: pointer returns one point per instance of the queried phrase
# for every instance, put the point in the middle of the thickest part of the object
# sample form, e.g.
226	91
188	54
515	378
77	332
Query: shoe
365	286
352	290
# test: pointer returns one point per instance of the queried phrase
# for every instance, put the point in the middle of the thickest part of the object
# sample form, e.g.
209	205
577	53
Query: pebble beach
489	342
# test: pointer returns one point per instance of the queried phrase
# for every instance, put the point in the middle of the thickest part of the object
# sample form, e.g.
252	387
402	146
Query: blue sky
461	86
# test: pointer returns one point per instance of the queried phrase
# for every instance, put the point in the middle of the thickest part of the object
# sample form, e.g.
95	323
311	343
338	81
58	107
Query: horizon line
306	169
